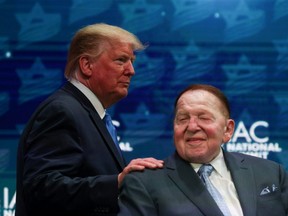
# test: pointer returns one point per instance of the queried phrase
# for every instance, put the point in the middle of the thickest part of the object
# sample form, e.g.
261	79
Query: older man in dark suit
68	163
235	184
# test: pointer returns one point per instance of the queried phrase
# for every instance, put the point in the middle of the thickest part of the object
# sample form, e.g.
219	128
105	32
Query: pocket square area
268	189
265	191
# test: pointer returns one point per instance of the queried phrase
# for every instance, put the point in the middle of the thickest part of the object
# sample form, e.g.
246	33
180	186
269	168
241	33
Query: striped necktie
204	173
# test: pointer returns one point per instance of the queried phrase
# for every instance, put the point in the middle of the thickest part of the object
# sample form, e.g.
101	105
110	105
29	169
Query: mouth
194	140
125	84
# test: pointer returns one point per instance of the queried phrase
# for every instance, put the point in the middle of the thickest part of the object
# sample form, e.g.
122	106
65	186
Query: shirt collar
91	97
218	163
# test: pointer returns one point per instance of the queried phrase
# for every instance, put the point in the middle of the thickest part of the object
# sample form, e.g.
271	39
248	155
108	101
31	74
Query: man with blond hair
68	163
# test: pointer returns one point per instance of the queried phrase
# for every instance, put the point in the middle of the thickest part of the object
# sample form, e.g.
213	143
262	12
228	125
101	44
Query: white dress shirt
221	179
91	97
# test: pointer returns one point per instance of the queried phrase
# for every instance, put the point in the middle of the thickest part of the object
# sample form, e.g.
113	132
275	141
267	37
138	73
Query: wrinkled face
111	73
200	126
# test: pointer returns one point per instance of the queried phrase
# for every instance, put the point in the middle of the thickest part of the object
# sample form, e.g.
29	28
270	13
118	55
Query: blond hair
91	40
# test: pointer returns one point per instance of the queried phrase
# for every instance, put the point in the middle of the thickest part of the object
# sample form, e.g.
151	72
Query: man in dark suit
68	163
247	185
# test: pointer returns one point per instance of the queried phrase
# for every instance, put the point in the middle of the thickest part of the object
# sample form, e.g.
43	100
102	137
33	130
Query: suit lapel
187	180
107	137
97	121
243	179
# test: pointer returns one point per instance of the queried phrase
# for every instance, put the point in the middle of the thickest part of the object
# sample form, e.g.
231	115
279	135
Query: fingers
138	165
142	163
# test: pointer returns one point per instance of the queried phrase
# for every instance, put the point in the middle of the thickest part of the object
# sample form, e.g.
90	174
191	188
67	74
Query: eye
182	119
205	118
121	60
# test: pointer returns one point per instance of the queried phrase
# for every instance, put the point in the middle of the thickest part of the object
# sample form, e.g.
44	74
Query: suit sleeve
54	175
134	199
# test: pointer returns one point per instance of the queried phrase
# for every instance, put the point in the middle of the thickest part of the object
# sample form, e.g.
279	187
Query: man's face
200	126
112	73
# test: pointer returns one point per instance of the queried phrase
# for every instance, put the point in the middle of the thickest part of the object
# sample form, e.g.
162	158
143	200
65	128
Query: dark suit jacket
67	161
177	190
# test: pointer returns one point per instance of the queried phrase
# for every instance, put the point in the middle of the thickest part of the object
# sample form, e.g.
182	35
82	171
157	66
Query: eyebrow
134	57
125	55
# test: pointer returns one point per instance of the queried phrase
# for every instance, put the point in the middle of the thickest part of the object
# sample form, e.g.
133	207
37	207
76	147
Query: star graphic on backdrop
244	76
37	25
241	14
191	62
282	59
190	11
148	70
190	52
90	8
233	71
181	5
37	81
141	15
143	126
242	22
138	8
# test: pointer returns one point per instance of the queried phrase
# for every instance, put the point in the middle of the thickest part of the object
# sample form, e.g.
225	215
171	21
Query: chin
199	158
122	90
124	94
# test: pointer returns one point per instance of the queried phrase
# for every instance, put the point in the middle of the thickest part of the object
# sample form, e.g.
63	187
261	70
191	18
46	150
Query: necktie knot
107	119
206	169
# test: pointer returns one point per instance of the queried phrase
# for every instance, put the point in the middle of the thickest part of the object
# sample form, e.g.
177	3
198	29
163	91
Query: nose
129	68
193	124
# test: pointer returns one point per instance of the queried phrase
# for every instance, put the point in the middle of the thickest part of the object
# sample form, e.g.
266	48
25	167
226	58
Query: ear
85	66
229	130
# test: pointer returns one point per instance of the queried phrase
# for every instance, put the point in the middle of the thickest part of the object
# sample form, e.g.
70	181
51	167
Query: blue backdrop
240	46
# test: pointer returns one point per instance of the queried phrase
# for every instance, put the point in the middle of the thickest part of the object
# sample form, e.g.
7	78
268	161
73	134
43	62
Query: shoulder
148	174
61	100
150	179
59	107
252	161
